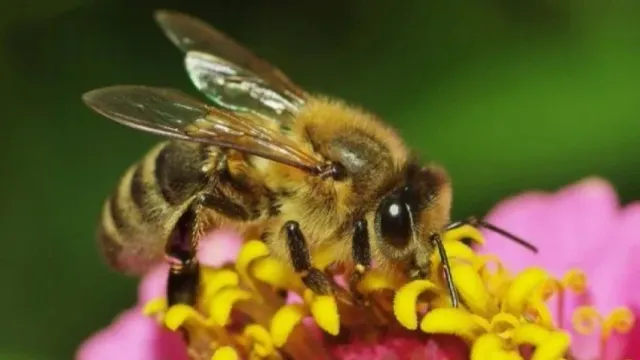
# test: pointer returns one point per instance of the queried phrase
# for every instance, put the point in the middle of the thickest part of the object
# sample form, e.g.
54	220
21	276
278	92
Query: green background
509	95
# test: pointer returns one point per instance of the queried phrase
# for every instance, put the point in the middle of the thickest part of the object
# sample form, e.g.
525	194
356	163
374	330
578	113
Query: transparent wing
234	88
191	34
173	114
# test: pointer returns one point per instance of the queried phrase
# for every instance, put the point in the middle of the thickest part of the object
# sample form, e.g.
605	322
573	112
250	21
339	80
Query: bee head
408	214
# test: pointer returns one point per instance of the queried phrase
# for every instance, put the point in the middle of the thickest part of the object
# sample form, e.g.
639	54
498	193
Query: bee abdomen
139	216
126	234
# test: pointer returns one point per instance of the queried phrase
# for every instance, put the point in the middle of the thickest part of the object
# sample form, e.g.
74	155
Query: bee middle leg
313	278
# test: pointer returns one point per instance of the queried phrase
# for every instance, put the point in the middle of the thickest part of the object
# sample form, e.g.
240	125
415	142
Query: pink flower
137	337
580	227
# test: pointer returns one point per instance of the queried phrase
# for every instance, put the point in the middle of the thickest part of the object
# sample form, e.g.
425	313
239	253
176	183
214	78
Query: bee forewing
174	114
160	111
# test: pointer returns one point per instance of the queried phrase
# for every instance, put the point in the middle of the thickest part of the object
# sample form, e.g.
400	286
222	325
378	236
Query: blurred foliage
509	95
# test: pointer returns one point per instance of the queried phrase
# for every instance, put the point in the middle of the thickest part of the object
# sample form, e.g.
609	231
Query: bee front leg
313	278
446	267
361	253
184	271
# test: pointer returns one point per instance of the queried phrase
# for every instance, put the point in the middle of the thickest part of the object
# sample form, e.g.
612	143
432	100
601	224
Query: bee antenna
481	223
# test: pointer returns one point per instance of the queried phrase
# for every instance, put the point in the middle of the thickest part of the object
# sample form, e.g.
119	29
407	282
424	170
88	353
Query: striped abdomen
139	216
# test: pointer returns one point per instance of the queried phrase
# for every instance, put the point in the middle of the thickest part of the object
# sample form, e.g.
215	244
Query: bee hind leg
312	277
184	271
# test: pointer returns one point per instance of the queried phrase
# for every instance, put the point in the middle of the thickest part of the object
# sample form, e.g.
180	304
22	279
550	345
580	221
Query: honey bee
319	181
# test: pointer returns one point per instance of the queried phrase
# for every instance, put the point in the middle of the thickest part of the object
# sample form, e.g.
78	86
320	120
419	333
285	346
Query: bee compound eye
395	221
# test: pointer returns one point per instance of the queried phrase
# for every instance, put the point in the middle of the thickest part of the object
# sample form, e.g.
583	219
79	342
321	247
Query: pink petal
630	240
153	285
219	247
586	213
133	336
567	227
622	255
613	280
521	216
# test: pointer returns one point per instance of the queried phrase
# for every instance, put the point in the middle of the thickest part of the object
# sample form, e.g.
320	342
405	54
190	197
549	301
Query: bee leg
361	253
184	271
313	278
437	240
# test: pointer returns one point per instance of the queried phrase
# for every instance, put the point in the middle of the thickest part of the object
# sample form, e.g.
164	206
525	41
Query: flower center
259	308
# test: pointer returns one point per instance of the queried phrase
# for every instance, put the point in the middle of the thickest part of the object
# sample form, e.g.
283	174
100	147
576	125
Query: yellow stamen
472	289
575	280
223	301
216	279
404	303
555	347
620	320
524	286
262	343
531	334
540	311
451	321
586	320
325	311
505	355
484	264
283	322
225	353
275	273
455	250
375	281
251	250
177	315
485	346
155	306
464	232
504	322
493	273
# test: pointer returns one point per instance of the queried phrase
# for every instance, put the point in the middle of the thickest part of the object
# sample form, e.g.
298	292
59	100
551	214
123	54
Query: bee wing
234	88
174	114
226	61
